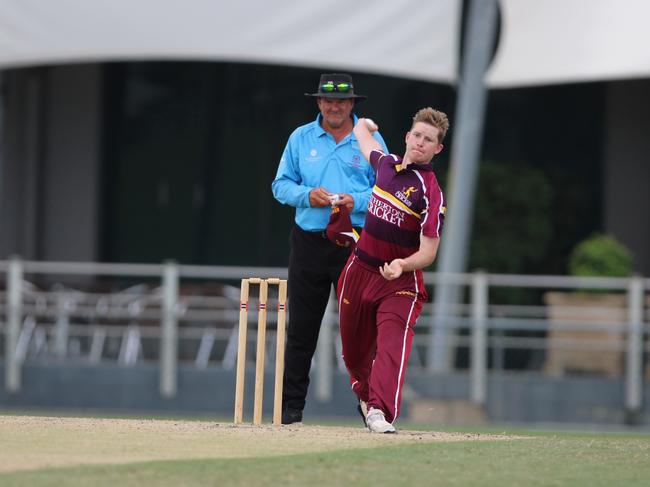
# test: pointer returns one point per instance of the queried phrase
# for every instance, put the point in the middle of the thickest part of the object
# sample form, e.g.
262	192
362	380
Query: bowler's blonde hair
433	117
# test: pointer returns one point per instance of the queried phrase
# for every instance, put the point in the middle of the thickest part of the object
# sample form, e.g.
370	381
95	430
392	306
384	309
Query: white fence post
62	328
14	317
478	360
169	326
634	357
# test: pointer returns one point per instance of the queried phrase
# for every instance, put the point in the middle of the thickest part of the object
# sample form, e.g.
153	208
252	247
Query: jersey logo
313	156
386	212
355	162
403	195
345	301
408	192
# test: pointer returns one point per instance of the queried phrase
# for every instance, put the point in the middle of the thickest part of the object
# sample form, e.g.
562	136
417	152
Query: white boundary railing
169	273
473	315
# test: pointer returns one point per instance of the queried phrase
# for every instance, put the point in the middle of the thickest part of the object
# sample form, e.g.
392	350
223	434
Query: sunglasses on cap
330	87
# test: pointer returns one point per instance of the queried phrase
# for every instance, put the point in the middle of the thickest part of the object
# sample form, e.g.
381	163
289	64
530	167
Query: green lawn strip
555	430
543	461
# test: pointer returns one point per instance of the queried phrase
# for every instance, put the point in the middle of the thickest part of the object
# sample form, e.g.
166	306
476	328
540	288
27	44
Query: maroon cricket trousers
376	323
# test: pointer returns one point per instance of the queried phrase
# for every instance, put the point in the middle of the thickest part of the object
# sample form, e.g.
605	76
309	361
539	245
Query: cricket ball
372	126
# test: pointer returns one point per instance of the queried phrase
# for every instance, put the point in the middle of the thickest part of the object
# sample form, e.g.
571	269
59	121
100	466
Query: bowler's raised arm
363	131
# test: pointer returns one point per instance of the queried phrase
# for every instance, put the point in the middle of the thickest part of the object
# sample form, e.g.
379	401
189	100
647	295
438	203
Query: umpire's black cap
336	86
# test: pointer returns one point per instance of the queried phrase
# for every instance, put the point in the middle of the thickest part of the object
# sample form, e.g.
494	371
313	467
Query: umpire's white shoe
377	422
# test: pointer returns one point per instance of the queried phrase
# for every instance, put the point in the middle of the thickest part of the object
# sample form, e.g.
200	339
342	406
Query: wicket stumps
261	345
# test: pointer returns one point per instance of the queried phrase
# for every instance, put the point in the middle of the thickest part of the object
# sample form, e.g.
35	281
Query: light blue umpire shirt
312	159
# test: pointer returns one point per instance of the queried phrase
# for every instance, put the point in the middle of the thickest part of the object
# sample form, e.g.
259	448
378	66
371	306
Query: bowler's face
422	143
335	111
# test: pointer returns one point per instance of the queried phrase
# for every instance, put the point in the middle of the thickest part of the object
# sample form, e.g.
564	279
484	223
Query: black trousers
315	264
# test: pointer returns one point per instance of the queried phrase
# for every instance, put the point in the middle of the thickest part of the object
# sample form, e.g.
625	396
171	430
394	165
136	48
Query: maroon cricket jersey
404	204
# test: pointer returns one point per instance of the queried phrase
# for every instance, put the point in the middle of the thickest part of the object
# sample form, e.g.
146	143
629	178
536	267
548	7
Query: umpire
321	166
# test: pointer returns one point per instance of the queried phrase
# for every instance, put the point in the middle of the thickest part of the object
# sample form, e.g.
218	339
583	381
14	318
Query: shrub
600	255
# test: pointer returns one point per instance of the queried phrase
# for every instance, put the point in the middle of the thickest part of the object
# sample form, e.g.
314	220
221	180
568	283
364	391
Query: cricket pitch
35	442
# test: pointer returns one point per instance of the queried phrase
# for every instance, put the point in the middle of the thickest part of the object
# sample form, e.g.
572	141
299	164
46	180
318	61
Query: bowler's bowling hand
372	126
393	270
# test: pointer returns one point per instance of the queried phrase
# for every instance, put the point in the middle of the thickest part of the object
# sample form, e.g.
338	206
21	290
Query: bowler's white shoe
363	411
377	422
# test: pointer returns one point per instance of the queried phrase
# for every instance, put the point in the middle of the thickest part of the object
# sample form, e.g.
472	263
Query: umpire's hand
319	197
346	200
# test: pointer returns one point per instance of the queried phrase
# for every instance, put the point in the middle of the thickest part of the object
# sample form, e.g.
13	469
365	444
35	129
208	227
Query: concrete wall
51	163
627	167
20	191
71	166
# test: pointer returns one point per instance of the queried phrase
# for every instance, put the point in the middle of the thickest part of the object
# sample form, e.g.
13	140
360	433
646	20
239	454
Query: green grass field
44	451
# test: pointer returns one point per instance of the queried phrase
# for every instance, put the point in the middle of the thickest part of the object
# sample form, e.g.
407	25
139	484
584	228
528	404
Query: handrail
237	272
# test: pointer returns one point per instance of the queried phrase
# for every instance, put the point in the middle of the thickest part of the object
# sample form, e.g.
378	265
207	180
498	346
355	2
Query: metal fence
169	313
